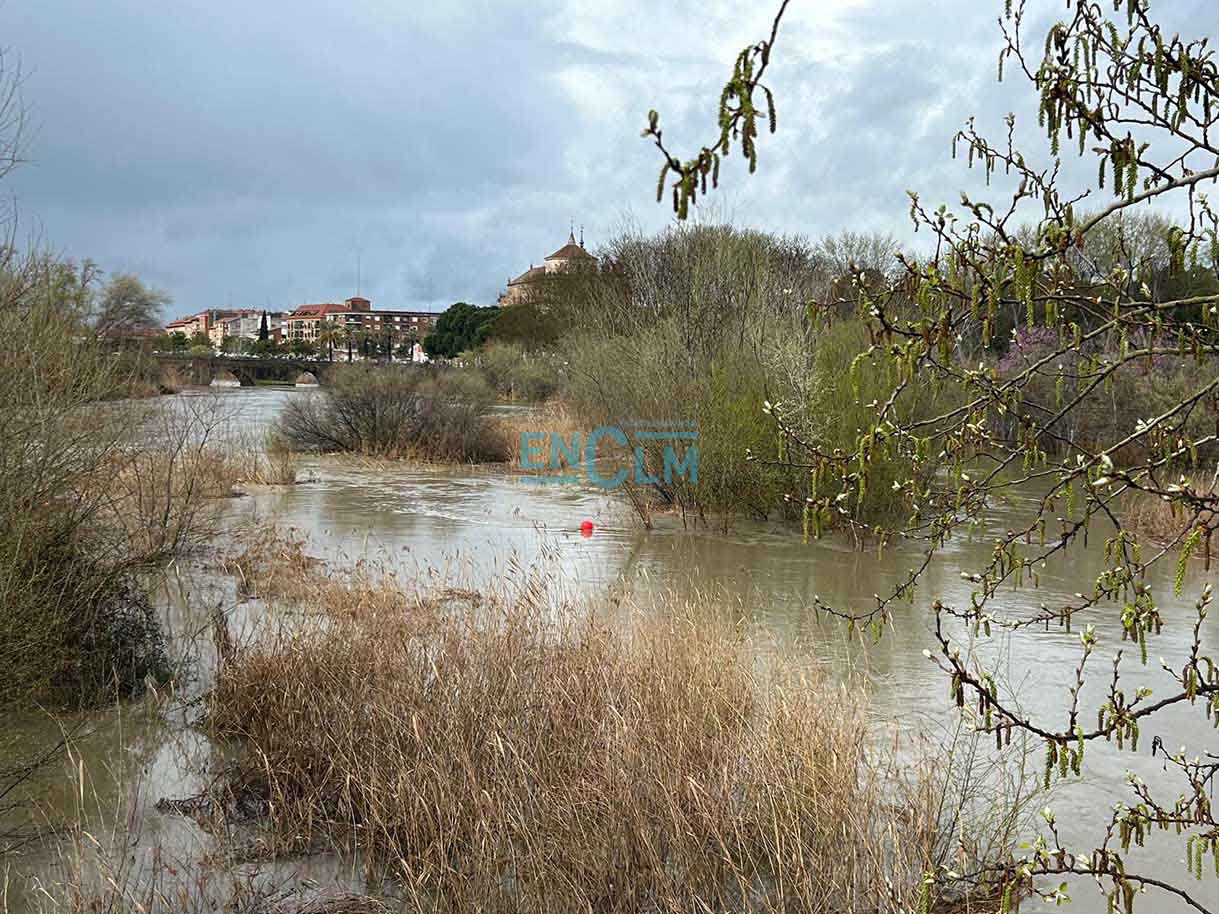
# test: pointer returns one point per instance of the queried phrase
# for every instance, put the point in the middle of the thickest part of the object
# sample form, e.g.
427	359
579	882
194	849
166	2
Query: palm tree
329	333
392	335
363	337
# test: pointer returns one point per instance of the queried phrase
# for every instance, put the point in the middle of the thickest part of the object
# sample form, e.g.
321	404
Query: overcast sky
248	153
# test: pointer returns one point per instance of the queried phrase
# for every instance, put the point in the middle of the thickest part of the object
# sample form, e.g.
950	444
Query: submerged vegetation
396	412
708	325
79	515
503	749
95	491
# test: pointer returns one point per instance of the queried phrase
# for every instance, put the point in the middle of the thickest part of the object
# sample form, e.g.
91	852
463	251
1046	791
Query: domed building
569	258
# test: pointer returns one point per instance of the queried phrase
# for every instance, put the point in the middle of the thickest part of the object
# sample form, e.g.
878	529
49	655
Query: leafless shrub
396	412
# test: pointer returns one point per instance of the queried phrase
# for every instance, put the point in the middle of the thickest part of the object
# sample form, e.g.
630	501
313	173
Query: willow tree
1116	88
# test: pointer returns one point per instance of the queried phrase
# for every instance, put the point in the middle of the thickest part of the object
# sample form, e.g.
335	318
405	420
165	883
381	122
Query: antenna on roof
358	277
581	236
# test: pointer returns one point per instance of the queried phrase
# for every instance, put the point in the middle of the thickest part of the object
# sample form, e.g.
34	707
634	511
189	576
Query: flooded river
480	523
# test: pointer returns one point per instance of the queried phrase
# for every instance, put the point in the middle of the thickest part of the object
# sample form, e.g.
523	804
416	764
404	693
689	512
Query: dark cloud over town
252	154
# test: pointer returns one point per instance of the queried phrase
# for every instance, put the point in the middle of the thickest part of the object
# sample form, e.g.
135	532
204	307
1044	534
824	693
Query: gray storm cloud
249	153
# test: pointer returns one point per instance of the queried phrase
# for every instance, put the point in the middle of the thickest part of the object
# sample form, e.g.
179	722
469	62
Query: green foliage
302	349
739	112
619	381
171	342
709	324
461	328
847	383
267	348
534	324
518	374
330	335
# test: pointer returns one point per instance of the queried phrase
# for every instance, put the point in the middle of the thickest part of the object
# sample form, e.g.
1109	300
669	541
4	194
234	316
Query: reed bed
276	566
1166	522
504	750
263	459
553	418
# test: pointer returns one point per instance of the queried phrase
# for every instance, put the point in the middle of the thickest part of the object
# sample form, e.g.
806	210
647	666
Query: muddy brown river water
481	523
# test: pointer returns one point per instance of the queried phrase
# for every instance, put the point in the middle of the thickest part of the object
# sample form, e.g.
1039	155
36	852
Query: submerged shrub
709	324
94	489
846	387
386	411
516	373
75	631
622	381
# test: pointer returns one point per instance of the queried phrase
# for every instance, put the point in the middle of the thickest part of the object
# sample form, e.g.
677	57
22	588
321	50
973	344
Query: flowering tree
1144	106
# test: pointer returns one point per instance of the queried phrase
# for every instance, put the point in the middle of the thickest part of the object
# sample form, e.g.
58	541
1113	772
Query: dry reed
1167	522
263	459
503	751
551	419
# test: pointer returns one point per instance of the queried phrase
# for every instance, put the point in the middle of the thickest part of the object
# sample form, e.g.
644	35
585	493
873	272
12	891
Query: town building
246	326
357	315
188	326
306	323
205	321
571	257
208	322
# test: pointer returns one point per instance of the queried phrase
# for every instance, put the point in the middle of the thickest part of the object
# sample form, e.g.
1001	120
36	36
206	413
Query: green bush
517	374
623	381
845	390
460	328
75	627
744	459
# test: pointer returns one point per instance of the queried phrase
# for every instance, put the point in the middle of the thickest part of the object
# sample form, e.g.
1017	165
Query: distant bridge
202	370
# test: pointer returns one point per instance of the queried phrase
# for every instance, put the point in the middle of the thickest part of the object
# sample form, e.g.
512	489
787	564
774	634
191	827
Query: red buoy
586	528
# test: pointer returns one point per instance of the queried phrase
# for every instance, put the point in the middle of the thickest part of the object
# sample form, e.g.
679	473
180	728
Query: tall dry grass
1167	521
263	458
502	751
552	418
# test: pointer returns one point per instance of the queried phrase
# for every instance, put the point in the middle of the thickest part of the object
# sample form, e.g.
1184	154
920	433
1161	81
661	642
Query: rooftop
528	276
319	310
571	251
